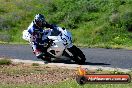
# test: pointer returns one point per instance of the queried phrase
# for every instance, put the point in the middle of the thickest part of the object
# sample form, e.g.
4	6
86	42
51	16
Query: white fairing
26	36
57	46
66	35
60	43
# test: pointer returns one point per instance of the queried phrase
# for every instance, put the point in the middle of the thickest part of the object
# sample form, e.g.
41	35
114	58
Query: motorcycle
61	45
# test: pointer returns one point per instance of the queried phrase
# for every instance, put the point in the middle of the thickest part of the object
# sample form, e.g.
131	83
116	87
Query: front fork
68	53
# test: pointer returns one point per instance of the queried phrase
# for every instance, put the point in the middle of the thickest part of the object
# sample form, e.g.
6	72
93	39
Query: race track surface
117	58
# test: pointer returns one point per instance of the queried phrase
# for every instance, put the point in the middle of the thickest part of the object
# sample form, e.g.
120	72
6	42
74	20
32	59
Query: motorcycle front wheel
78	55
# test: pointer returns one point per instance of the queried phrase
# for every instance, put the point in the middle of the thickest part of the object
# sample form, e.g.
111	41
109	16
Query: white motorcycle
61	45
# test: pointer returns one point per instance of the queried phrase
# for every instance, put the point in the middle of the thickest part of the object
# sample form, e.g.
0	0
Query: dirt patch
28	74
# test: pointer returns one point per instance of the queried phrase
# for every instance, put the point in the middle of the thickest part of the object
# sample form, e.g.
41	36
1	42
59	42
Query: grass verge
68	84
93	23
5	62
20	75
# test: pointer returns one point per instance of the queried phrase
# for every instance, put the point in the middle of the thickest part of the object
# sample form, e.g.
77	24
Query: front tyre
78	55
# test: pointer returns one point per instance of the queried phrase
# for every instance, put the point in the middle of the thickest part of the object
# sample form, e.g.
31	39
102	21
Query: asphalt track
115	58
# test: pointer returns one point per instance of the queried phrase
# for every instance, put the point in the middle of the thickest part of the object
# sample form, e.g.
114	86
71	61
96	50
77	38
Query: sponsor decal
84	78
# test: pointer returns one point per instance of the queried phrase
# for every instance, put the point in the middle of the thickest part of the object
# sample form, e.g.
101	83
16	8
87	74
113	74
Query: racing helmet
39	20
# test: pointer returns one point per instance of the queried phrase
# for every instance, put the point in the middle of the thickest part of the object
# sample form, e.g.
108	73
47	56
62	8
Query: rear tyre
45	58
78	55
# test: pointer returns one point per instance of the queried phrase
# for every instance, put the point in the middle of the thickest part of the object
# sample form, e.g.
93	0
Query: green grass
35	64
68	84
93	23
5	62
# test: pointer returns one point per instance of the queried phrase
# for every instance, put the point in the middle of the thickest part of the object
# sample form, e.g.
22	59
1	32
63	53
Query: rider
36	31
